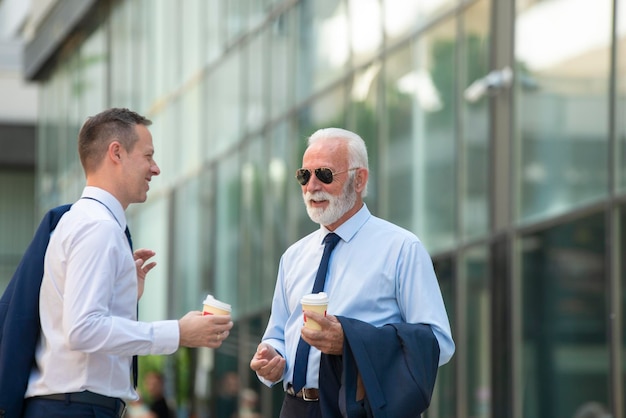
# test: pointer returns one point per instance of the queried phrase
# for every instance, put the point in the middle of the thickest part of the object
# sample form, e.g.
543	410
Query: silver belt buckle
304	396
304	391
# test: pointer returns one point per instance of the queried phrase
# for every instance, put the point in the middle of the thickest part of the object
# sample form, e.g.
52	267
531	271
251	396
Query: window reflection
565	351
363	118
364	29
223	111
420	158
186	289
323	49
620	116
227	230
402	17
253	234
477	320
475	117
444	400
563	70
282	52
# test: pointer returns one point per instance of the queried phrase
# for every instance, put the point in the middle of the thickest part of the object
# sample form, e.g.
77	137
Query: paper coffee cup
316	302
213	306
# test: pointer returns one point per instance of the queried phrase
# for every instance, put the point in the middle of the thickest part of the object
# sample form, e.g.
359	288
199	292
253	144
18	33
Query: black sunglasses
323	174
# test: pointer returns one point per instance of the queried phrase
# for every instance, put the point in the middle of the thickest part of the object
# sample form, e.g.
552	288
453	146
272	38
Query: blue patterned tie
302	353
135	363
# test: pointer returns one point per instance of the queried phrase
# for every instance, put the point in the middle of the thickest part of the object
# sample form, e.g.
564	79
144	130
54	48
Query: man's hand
267	363
141	256
329	339
197	330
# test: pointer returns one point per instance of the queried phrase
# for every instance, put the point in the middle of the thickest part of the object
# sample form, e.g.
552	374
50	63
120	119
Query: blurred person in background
154	386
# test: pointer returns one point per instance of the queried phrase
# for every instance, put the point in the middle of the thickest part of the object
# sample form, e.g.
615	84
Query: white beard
337	206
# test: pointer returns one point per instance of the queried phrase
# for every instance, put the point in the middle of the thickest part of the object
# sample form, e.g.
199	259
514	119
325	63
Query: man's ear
114	152
360	179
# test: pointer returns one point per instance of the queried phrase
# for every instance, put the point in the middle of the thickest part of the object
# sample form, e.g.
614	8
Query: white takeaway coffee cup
316	302
212	306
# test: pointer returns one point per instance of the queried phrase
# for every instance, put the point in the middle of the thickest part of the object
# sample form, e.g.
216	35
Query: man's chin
315	214
319	216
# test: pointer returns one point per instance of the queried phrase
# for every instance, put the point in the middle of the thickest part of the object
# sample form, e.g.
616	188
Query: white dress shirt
379	273
88	305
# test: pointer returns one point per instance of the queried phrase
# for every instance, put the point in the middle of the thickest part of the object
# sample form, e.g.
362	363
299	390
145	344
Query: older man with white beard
378	274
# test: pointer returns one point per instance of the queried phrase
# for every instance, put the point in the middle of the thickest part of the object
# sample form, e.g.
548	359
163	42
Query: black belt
308	394
90	398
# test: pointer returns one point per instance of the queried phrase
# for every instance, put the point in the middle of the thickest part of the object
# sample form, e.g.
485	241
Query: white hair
357	151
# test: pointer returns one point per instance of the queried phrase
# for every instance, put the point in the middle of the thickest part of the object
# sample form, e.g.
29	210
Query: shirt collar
349	228
108	200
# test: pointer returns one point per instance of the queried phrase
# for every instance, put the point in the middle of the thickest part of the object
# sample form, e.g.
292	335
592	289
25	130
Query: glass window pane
622	241
562	104
72	172
227	198
121	55
187	288
281	62
211	26
477	321
323	50
147	233
397	156
190	38
435	135
280	187
620	130
236	18
188	132
474	187
420	163
146	55
254	69
253	237
620	116
363	118
565	353
93	85
17	219
444	400
223	98
402	17
365	30
207	238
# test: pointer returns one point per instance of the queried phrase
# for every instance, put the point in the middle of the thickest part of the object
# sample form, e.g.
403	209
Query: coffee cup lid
320	298
211	301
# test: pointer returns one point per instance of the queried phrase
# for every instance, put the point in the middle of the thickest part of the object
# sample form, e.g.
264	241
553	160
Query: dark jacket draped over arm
397	364
19	318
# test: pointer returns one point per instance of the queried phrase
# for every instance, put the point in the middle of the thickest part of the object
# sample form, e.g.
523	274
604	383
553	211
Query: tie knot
331	240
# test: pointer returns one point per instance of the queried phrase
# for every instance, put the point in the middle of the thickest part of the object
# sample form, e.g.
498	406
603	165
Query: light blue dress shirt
379	273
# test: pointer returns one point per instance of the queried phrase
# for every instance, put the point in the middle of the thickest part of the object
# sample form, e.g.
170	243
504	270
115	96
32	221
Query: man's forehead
327	147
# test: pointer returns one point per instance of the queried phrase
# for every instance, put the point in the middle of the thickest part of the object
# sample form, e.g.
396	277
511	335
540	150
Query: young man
379	275
92	282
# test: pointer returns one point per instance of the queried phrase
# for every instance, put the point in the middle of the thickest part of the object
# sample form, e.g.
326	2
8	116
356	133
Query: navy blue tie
130	240
302	353
135	365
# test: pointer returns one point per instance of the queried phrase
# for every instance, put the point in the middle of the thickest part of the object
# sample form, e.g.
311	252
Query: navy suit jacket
397	363
19	318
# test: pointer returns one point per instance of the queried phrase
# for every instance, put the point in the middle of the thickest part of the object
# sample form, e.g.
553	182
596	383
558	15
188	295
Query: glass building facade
496	131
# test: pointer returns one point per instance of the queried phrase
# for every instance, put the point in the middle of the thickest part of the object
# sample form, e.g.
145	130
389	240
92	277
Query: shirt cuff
166	337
